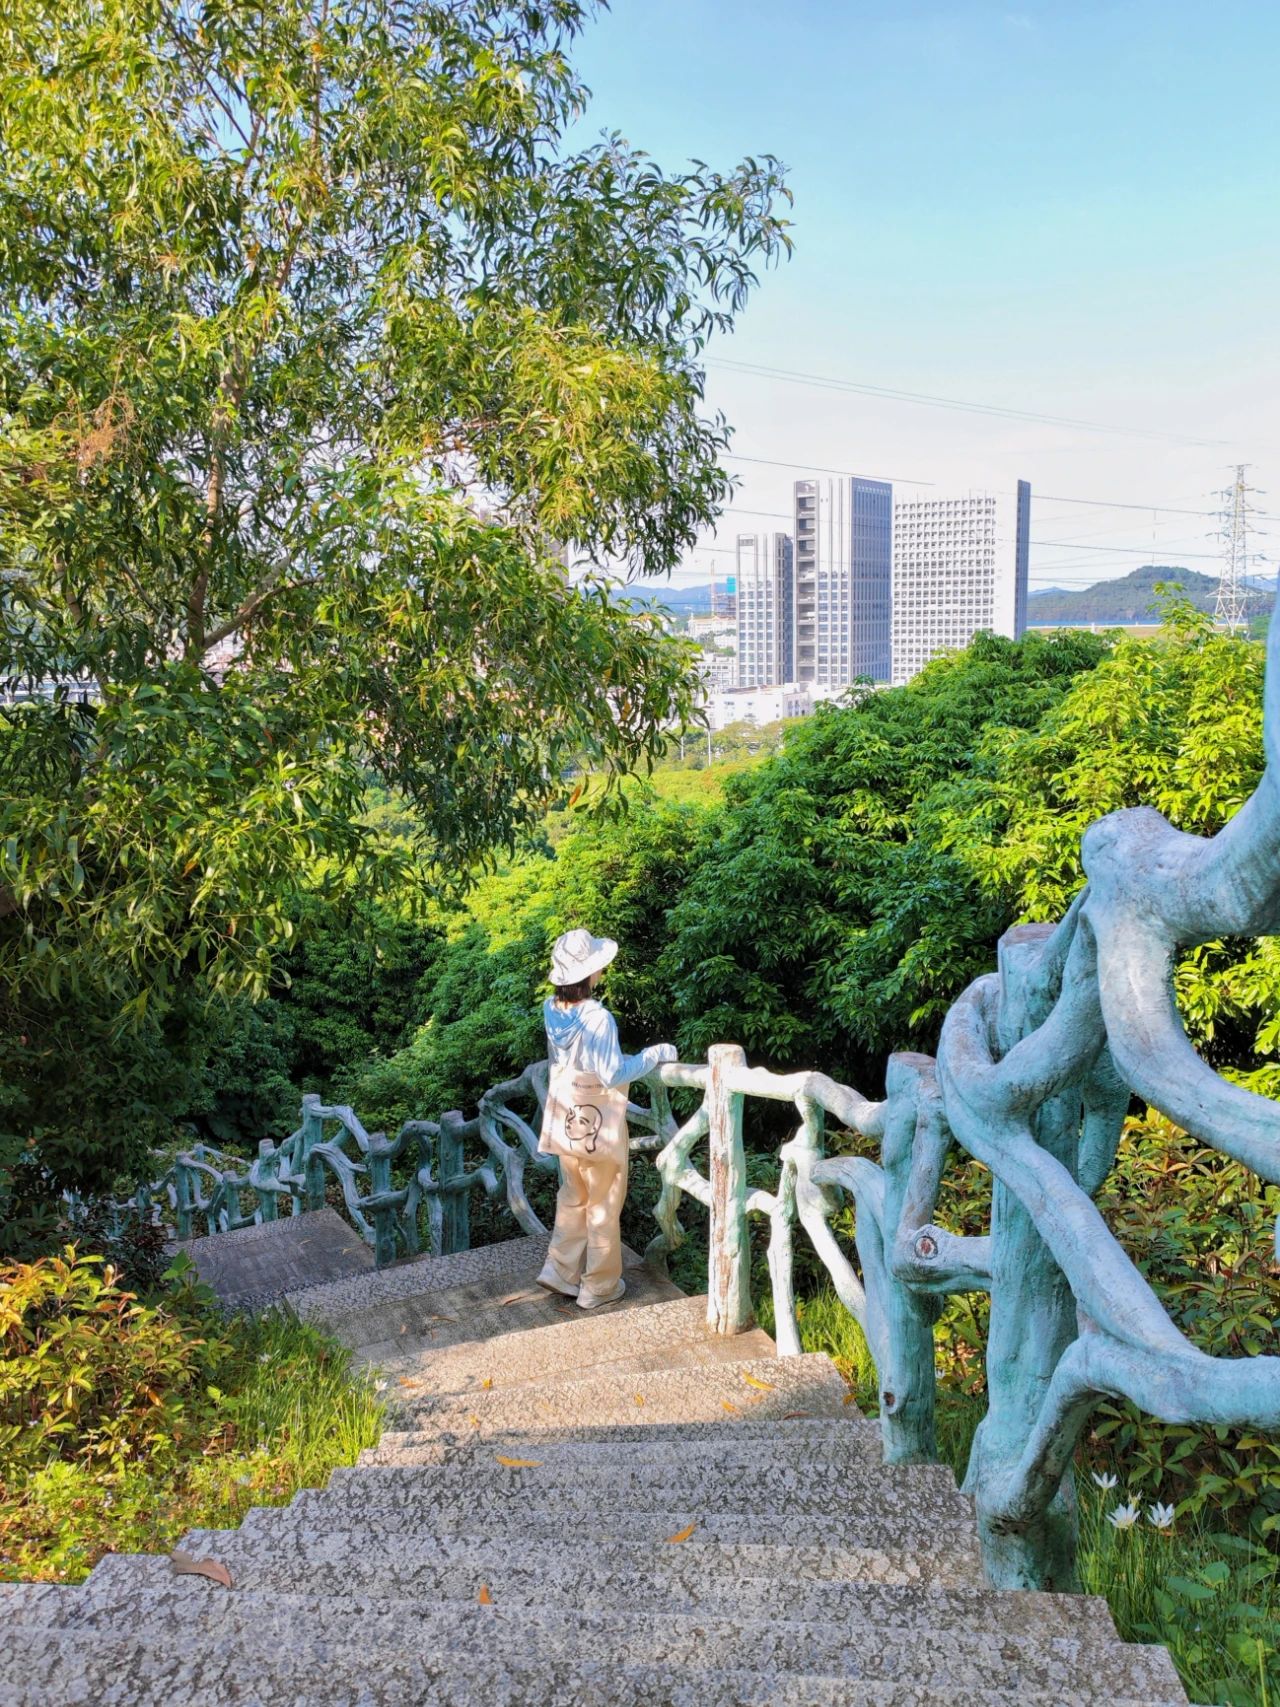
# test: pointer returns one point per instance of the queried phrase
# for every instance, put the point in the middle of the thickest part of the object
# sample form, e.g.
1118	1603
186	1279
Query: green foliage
123	1423
87	1098
359	981
829	921
1210	1596
483	1019
318	345
90	1374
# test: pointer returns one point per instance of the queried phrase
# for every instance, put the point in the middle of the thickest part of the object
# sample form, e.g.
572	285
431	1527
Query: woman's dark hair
573	992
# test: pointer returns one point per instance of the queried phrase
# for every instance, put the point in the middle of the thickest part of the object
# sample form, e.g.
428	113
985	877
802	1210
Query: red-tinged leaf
484	1597
681	1535
184	1565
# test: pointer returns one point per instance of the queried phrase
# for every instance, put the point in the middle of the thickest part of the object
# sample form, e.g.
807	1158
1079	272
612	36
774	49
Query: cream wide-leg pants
586	1243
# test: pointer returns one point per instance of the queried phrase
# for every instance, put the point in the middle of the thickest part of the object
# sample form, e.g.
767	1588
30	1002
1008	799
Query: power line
1123	550
1044	497
895	394
814	468
1059	544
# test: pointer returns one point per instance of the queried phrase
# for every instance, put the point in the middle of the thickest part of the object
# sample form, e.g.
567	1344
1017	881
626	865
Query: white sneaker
587	1302
553	1283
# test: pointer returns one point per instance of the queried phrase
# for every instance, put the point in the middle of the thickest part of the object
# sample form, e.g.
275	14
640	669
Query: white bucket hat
577	954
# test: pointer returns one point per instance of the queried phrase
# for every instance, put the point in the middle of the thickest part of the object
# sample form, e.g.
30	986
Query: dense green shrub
124	1422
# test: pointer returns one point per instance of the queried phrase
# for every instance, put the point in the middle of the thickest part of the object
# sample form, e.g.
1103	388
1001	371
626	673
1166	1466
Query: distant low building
758	705
713	626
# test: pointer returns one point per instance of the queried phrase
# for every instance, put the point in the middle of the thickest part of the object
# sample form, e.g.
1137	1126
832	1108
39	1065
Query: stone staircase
577	1510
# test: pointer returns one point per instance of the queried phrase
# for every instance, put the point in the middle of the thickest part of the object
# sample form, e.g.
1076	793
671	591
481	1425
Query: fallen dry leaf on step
521	1297
727	1405
682	1534
406	1381
639	1398
185	1566
787	1415
754	1381
487	1382
849	1399
474	1421
519	1463
484	1597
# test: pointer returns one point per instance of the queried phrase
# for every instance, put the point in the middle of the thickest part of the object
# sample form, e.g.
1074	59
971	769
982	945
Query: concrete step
398	1510
332	1303
258	1266
469	1315
519	1574
383	1551
59	1669
753	1481
470	1343
713	1393
1095	1669
850	1436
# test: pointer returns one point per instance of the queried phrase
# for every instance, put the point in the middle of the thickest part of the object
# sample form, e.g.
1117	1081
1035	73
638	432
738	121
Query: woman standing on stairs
585	1122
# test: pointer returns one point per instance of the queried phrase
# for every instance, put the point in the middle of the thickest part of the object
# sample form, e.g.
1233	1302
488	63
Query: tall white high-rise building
844	586
959	566
765	610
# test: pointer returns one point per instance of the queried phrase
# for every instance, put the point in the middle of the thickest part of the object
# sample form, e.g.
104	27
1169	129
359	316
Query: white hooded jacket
584	1039
586	1111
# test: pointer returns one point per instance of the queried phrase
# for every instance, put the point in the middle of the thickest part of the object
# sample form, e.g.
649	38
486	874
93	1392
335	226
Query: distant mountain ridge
1131	598
680	601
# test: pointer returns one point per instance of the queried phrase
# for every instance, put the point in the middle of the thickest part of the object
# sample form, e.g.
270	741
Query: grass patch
187	1419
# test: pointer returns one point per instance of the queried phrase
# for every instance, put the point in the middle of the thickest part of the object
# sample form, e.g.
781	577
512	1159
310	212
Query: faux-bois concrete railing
1036	1066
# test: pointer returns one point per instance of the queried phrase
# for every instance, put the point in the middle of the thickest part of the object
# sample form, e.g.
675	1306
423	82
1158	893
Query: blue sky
1058	206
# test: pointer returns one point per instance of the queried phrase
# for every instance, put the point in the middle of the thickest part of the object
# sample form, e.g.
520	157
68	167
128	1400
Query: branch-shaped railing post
1033	1313
908	1381
729	1262
266	1175
455	1227
384	1207
308	1164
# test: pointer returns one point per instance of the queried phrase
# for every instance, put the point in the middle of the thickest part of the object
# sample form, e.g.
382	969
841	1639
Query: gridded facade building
765	610
959	566
843	580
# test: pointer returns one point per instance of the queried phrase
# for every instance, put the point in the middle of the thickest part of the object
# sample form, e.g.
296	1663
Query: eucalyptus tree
325	341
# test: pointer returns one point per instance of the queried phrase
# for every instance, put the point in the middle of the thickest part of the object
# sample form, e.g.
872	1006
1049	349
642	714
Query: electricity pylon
1229	611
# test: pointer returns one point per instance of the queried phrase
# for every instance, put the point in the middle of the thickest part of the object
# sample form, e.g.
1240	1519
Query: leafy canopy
319	348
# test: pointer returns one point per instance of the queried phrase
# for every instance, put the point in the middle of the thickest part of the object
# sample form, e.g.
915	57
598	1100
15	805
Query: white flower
1161	1516
1106	1481
379	1386
1124	1516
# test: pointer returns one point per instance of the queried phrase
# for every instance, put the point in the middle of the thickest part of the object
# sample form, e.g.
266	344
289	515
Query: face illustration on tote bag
582	1126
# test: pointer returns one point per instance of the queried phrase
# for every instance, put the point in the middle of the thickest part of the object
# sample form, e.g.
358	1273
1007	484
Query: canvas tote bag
584	1118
